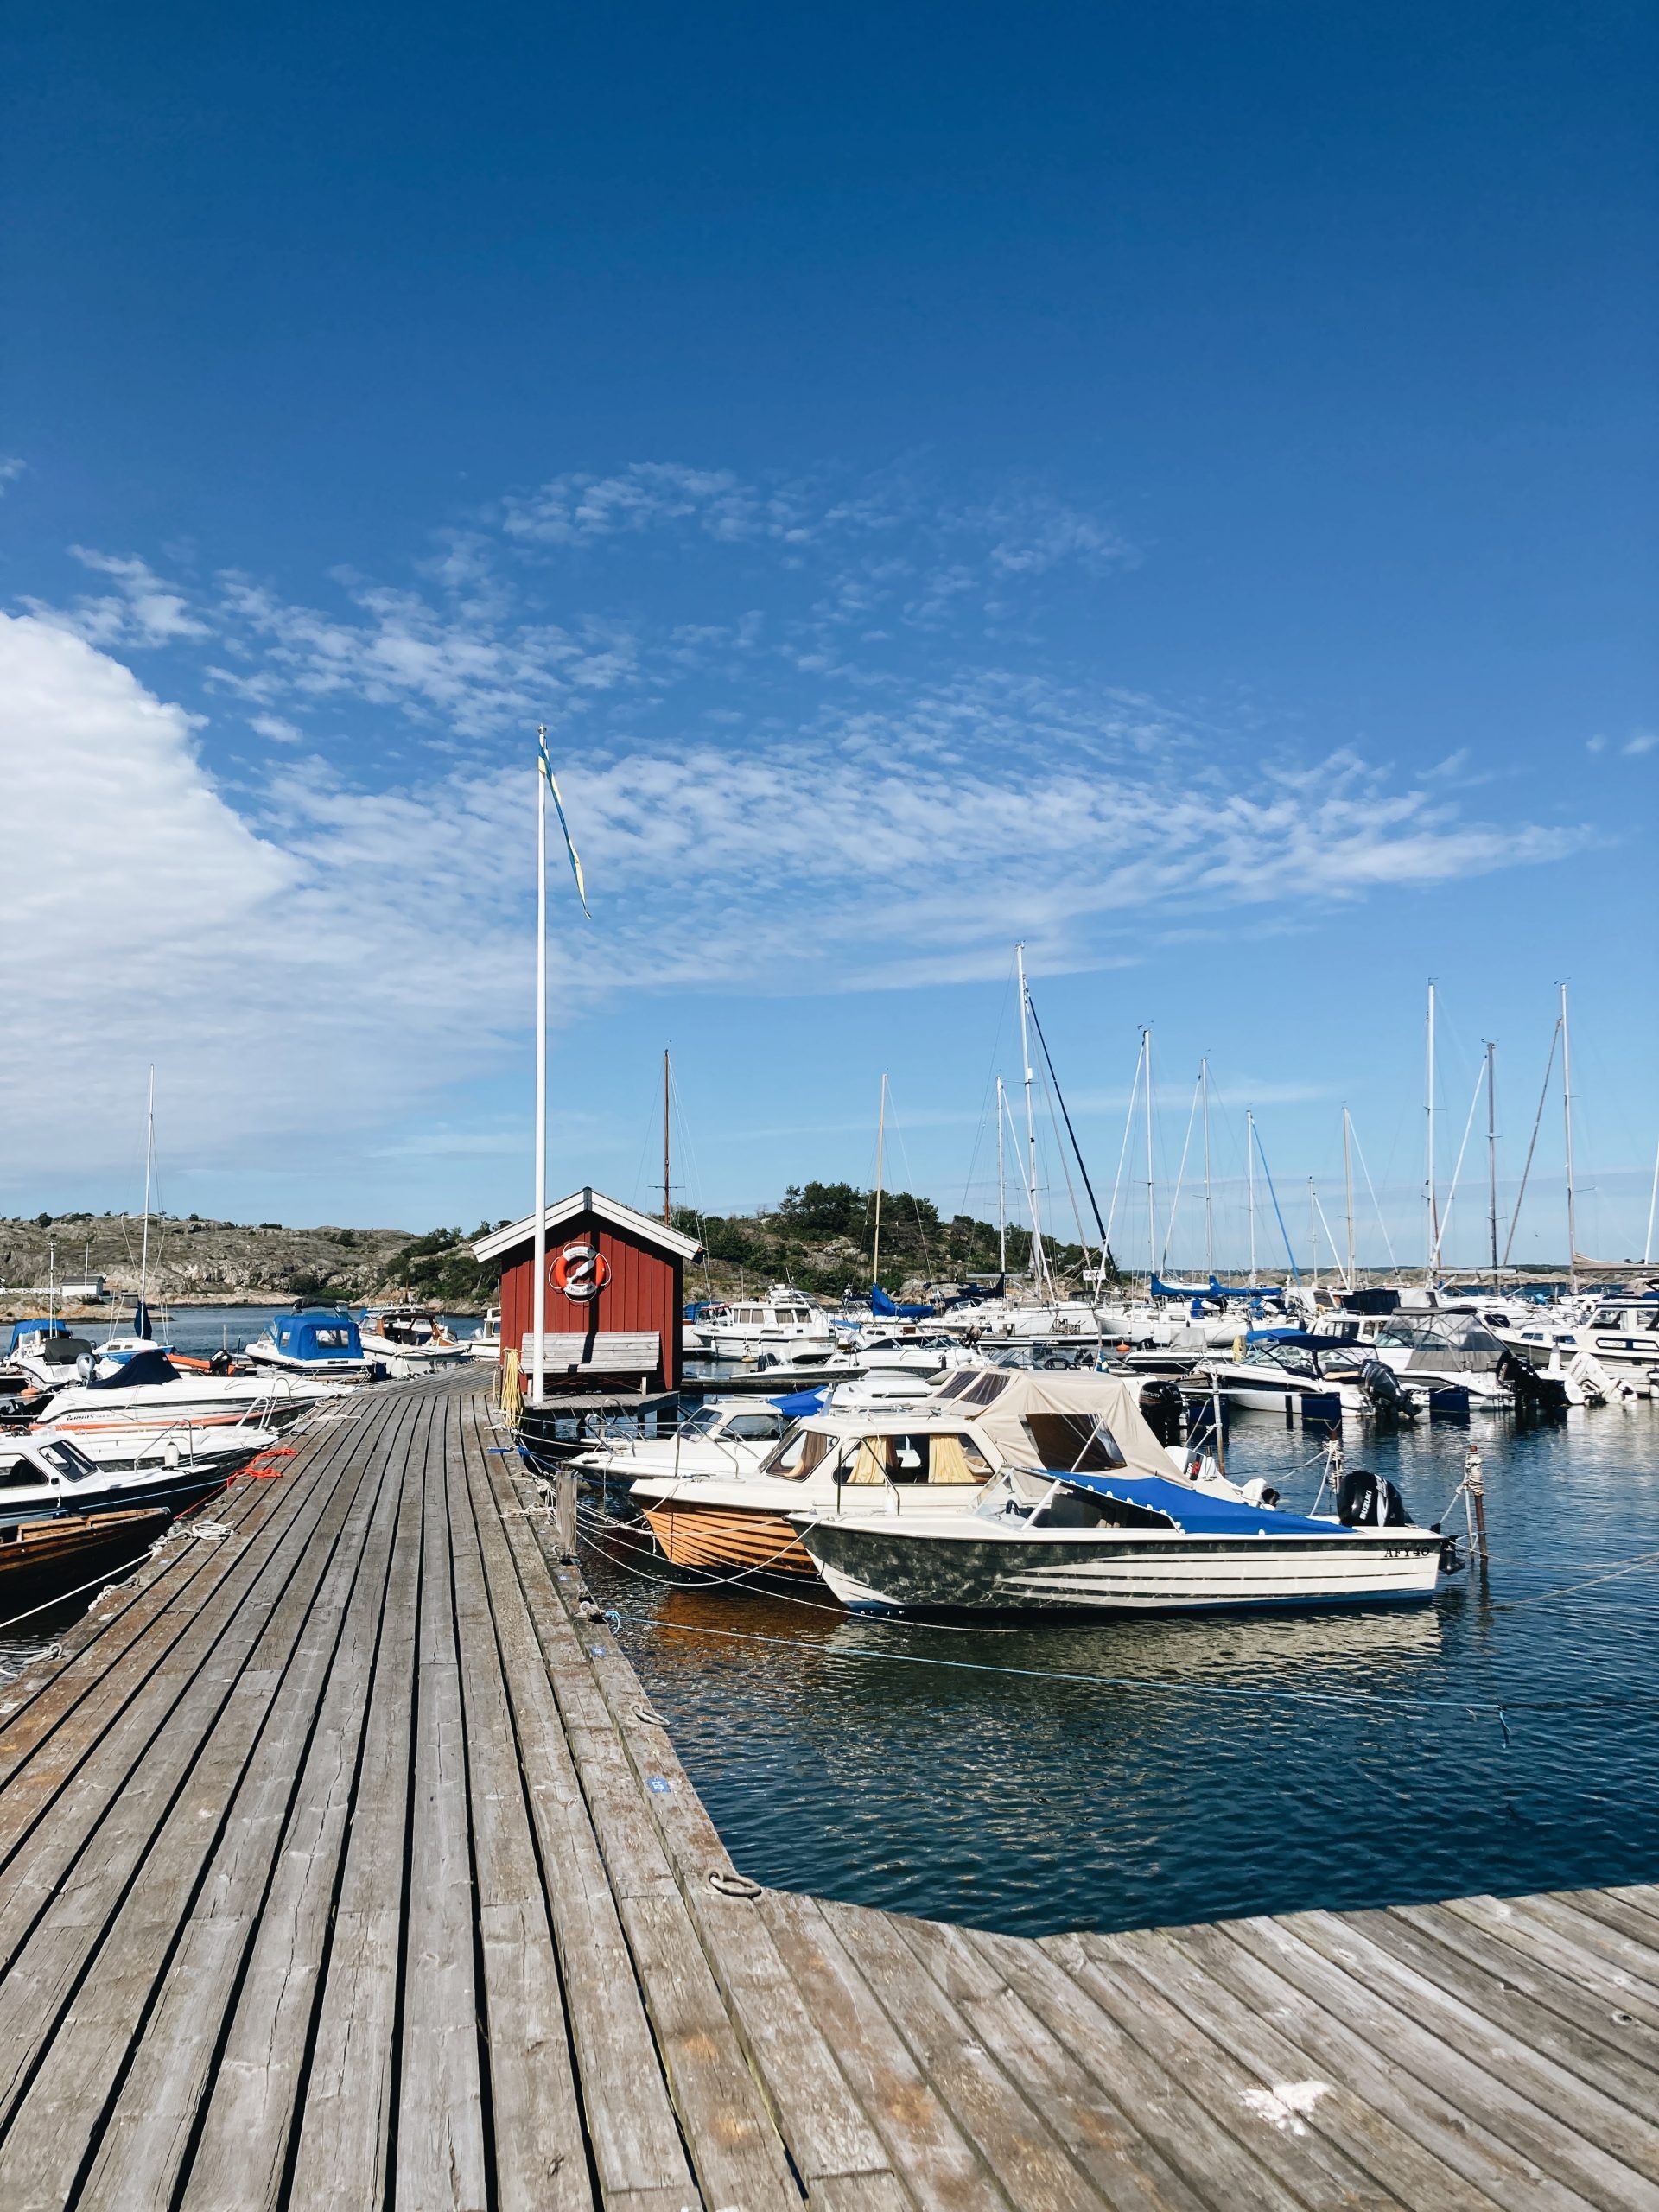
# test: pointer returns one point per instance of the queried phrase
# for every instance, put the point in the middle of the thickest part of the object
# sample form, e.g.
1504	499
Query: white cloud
1643	741
11	468
276	992
144	610
278	731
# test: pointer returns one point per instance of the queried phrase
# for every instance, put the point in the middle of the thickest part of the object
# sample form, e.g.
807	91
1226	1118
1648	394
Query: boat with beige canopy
940	1453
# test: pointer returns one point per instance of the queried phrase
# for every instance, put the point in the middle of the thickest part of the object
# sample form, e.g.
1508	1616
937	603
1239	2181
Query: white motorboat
484	1343
942	1451
49	1352
408	1341
95	1474
723	1436
1620	1333
1119	1541
324	1344
149	1393
1308	1378
784	1321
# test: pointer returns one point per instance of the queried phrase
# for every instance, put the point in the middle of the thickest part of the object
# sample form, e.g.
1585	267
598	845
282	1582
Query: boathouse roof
579	1205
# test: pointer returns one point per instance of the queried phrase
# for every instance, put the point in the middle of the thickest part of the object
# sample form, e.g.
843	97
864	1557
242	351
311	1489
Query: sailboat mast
667	1207
1428	1175
881	1143
1209	1212
1313	1229
1566	1120
538	1292
1152	1195
1653	1206
1001	1188
1039	1264
1348	1188
1249	1161
1491	1148
150	1164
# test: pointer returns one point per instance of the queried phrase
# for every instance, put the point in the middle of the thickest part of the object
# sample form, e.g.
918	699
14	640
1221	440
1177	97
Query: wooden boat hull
723	1539
58	1539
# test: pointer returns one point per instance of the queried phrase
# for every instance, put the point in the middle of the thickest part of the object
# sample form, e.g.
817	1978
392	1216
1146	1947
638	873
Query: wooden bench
607	1352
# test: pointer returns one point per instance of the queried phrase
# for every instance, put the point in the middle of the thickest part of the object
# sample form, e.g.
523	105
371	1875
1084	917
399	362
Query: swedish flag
558	807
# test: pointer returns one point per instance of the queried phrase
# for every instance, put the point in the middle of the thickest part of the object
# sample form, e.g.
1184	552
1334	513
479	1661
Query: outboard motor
1534	1393
1369	1501
1386	1392
1162	1404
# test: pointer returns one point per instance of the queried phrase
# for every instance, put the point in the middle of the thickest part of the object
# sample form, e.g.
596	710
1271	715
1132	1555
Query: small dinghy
1115	1542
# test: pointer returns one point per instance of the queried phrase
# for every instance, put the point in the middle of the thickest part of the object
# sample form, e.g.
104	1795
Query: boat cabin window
753	1428
1078	1444
984	1389
19	1474
701	1423
799	1455
331	1339
923	1458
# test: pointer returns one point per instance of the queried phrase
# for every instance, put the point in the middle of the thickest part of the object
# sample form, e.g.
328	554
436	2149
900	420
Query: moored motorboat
723	1436
408	1341
484	1343
323	1343
940	1453
1037	1542
784	1321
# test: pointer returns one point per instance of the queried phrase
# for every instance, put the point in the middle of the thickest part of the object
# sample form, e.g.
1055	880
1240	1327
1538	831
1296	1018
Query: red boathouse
615	1288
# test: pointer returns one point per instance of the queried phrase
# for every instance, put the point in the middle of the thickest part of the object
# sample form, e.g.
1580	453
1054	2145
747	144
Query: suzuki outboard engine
1369	1501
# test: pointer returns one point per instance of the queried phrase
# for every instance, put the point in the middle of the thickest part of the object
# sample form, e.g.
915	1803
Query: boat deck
345	1865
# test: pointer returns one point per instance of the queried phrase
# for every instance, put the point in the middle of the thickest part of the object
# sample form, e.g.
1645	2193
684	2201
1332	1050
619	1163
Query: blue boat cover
152	1366
798	1404
882	1303
42	1328
141	1321
1199	1514
297	1335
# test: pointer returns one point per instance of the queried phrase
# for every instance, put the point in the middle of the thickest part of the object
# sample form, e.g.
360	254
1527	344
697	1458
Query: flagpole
538	1317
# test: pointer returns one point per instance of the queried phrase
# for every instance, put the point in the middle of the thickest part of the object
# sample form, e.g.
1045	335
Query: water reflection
1208	1764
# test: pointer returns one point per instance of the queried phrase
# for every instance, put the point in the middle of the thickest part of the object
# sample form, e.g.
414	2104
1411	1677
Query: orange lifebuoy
580	1271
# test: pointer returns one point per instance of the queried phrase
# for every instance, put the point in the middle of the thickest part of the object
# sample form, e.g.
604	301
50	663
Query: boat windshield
799	1455
1290	1359
701	1423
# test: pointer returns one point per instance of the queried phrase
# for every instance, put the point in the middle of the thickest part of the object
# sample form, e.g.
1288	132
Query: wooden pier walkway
345	1866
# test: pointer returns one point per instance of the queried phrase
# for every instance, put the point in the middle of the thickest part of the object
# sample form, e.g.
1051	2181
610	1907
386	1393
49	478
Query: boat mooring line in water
1544	1597
1475	1708
685	1578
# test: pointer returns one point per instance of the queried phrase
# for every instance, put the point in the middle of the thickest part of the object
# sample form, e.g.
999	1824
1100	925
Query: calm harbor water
1210	1766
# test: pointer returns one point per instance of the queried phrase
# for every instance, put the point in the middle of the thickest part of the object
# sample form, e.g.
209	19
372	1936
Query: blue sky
1175	485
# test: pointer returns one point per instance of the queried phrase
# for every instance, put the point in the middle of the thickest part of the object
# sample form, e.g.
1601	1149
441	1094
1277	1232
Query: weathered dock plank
344	1864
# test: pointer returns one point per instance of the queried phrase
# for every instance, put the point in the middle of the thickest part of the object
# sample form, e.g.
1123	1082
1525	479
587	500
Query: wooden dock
344	1865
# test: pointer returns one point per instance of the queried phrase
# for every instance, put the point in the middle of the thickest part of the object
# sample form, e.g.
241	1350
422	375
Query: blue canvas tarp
799	1405
885	1308
1199	1513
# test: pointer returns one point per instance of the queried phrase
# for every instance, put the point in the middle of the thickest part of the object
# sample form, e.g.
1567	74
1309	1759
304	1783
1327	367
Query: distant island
820	1236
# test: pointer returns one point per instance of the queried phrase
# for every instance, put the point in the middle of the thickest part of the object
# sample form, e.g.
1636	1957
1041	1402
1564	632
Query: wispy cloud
11	468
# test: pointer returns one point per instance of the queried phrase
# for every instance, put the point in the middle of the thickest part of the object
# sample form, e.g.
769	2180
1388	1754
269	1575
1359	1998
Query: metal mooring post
564	1511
